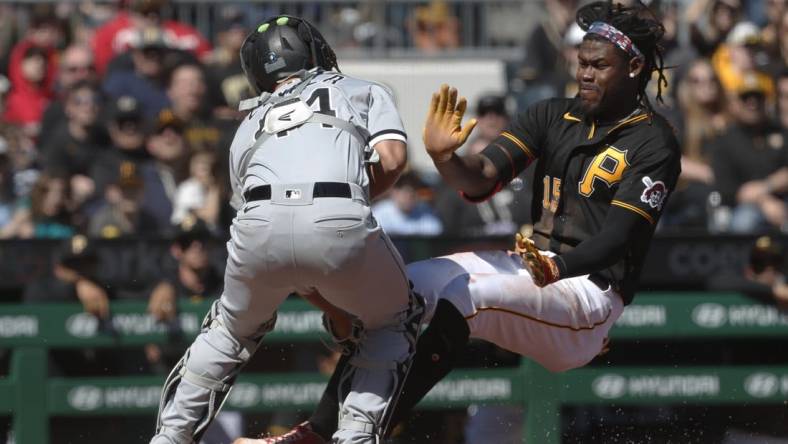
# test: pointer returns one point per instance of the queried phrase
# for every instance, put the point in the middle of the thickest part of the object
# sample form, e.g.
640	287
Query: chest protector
288	112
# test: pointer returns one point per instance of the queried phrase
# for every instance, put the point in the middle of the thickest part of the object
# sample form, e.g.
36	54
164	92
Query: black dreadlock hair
642	27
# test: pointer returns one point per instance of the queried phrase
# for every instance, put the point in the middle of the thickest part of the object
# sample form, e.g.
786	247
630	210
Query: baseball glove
543	269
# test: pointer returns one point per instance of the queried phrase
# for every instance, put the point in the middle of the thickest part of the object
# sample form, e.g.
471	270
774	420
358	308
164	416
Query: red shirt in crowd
26	101
117	35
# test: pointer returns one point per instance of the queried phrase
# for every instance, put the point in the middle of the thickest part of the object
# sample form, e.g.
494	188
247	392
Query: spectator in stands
703	106
51	207
21	154
767	268
127	134
73	278
710	21
122	213
84	18
75	66
145	82
405	212
544	44
764	277
76	144
506	210
31	72
750	163
735	60
559	79
227	84
565	82
167	168
189	276
122	32
32	69
782	98
702	117
492	118
186	91
770	34
8	200
192	276
434	28
199	195
47	214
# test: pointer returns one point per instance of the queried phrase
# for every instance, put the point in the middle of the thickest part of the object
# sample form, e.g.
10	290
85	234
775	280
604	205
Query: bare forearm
382	178
393	156
473	174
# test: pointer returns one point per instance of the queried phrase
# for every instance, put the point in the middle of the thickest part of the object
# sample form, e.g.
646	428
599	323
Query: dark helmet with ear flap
280	47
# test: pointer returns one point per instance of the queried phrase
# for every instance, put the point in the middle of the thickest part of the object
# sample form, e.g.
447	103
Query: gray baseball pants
296	243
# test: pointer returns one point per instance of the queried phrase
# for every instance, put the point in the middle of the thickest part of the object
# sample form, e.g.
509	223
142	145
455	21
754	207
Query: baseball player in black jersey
606	163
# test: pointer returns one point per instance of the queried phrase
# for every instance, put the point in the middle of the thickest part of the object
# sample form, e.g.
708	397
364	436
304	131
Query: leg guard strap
356	425
205	382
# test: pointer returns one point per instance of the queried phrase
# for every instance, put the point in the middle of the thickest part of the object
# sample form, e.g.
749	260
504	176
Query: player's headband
615	36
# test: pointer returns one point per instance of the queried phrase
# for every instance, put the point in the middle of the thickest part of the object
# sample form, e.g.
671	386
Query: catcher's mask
280	47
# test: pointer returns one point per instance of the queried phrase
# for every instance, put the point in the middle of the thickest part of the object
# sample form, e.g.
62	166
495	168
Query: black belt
599	281
321	189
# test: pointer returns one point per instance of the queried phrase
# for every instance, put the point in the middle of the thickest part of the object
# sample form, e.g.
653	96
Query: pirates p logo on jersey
654	194
607	167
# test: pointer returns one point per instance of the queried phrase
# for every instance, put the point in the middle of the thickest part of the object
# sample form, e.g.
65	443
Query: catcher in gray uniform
302	180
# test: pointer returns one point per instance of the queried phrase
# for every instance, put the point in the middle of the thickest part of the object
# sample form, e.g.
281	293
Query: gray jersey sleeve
383	122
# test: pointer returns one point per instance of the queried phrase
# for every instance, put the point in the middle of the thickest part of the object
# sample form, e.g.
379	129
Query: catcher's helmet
280	47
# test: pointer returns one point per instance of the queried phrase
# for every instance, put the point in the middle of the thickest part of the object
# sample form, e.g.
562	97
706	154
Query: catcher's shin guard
209	367
369	371
440	348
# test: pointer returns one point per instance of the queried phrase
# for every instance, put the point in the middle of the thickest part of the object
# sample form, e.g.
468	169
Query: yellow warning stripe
637	210
520	144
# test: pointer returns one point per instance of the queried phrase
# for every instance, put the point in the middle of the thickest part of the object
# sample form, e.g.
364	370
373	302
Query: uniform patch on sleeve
654	194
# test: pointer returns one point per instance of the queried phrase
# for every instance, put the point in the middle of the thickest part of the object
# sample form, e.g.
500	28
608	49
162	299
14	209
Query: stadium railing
31	398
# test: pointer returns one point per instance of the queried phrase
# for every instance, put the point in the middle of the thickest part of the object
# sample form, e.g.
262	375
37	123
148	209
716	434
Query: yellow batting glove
543	269
443	130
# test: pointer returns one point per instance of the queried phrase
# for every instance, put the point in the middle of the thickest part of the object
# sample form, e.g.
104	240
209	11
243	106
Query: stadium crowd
115	122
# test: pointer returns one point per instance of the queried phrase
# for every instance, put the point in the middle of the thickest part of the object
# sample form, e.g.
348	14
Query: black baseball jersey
583	168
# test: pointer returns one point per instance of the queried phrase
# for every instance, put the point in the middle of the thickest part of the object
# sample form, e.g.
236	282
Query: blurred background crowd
116	118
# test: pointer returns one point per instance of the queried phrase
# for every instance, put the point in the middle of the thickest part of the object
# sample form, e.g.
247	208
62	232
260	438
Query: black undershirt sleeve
607	247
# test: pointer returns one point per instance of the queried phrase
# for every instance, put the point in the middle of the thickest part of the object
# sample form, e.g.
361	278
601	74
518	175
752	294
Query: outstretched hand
443	130
543	269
